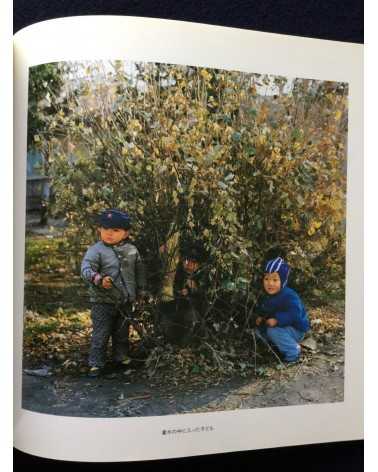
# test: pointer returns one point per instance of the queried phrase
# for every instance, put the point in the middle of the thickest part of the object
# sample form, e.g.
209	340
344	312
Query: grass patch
45	254
51	281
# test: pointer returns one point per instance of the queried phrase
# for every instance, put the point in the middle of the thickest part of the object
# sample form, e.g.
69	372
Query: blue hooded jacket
285	306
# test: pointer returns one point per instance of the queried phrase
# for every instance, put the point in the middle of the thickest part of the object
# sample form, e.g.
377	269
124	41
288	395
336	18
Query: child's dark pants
109	321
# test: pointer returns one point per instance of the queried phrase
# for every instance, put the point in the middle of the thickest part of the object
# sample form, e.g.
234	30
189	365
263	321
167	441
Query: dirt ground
318	378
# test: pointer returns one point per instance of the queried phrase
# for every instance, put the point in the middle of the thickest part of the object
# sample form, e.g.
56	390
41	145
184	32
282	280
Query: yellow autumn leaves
211	152
313	227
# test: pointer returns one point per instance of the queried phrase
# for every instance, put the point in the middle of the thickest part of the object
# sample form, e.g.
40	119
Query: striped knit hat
280	266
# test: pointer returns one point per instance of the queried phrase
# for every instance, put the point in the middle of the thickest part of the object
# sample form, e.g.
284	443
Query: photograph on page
184	241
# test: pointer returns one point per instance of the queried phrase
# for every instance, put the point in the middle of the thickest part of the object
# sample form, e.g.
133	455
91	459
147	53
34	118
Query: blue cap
280	266
114	219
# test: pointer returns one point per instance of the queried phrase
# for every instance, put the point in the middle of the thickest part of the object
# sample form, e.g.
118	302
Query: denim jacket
122	263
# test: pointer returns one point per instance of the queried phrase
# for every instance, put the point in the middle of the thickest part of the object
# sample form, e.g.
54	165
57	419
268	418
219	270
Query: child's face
272	283
190	265
113	235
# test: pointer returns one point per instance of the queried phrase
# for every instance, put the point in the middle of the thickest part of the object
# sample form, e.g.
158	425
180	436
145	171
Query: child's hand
142	296
191	284
259	320
163	249
271	322
184	292
107	282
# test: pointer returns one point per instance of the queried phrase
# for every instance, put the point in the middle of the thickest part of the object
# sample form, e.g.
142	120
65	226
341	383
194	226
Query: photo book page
188	265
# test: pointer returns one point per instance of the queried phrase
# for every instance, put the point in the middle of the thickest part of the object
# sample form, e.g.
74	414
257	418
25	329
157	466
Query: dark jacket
121	262
286	307
197	295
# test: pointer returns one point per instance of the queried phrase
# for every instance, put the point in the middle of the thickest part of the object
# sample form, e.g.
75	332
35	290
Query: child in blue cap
282	319
115	274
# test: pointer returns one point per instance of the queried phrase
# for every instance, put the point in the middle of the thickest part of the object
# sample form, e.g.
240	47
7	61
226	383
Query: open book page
192	198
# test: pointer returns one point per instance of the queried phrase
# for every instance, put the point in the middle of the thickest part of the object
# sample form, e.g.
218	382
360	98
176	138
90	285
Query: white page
150	40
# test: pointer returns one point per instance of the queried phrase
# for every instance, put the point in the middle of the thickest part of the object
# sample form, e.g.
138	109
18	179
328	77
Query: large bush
248	164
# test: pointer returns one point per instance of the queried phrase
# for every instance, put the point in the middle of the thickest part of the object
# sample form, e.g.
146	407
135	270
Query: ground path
319	378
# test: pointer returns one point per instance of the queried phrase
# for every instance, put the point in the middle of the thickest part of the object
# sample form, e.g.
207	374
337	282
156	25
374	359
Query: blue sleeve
291	312
90	264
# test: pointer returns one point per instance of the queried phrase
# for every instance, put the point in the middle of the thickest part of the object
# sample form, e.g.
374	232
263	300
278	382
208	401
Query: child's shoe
120	366
95	372
293	361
